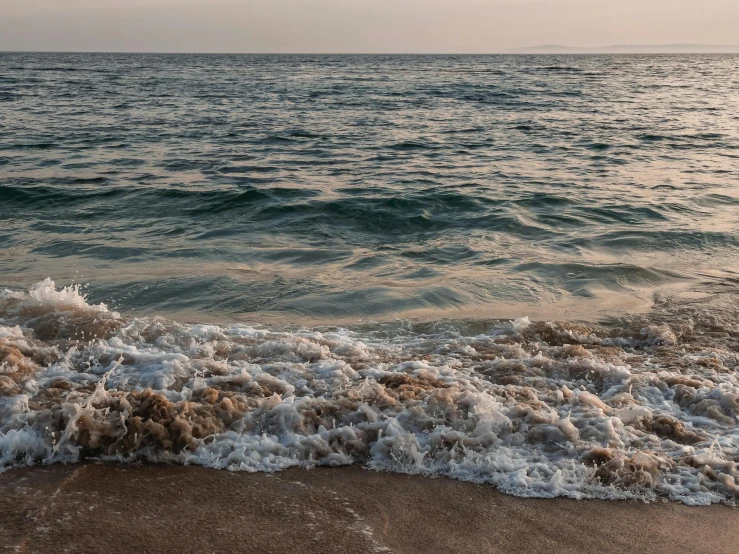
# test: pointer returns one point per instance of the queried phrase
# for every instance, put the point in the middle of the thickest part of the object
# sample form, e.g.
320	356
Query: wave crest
639	410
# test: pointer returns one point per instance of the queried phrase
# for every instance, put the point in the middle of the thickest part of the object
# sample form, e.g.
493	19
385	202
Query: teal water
330	260
344	188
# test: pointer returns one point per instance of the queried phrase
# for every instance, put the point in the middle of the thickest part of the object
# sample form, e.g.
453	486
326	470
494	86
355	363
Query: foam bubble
534	408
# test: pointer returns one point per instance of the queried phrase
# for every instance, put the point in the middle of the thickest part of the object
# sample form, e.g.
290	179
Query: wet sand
149	508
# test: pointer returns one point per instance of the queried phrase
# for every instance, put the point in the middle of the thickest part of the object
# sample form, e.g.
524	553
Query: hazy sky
358	25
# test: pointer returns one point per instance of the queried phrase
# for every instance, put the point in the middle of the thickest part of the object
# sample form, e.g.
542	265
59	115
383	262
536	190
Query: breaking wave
640	409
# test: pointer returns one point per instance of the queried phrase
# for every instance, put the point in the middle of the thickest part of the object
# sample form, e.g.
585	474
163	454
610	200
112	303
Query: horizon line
585	51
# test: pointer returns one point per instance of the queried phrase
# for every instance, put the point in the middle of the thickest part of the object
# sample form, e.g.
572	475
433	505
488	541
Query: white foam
534	409
45	293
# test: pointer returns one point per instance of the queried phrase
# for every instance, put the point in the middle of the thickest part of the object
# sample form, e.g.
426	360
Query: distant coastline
631	49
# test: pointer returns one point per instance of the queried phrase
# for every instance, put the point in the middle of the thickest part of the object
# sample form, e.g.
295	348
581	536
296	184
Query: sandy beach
93	508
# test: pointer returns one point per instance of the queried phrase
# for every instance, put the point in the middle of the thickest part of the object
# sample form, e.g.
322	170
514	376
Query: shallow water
639	409
339	188
357	243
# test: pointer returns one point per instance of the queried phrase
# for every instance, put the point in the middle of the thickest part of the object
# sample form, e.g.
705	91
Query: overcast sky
358	25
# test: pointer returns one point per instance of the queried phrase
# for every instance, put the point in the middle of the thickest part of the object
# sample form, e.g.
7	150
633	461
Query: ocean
517	270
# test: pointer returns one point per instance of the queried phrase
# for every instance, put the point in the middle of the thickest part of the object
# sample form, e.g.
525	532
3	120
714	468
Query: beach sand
152	508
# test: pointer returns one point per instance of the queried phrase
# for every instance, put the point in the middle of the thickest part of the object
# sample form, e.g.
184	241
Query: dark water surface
264	205
339	188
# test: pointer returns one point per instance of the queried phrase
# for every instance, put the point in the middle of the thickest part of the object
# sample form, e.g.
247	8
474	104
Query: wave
57	195
644	409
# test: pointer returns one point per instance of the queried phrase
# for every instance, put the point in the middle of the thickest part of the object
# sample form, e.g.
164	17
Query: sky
373	26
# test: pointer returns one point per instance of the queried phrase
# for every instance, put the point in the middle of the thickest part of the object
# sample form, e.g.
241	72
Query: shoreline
161	508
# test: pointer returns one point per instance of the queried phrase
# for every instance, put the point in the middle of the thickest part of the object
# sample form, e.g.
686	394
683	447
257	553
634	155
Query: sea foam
646	409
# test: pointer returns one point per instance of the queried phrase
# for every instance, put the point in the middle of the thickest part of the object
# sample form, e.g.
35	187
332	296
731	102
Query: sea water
518	270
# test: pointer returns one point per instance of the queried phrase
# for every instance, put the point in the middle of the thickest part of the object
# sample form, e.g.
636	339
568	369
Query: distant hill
631	49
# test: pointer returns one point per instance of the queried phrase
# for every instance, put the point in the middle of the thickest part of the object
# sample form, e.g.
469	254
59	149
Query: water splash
644	409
